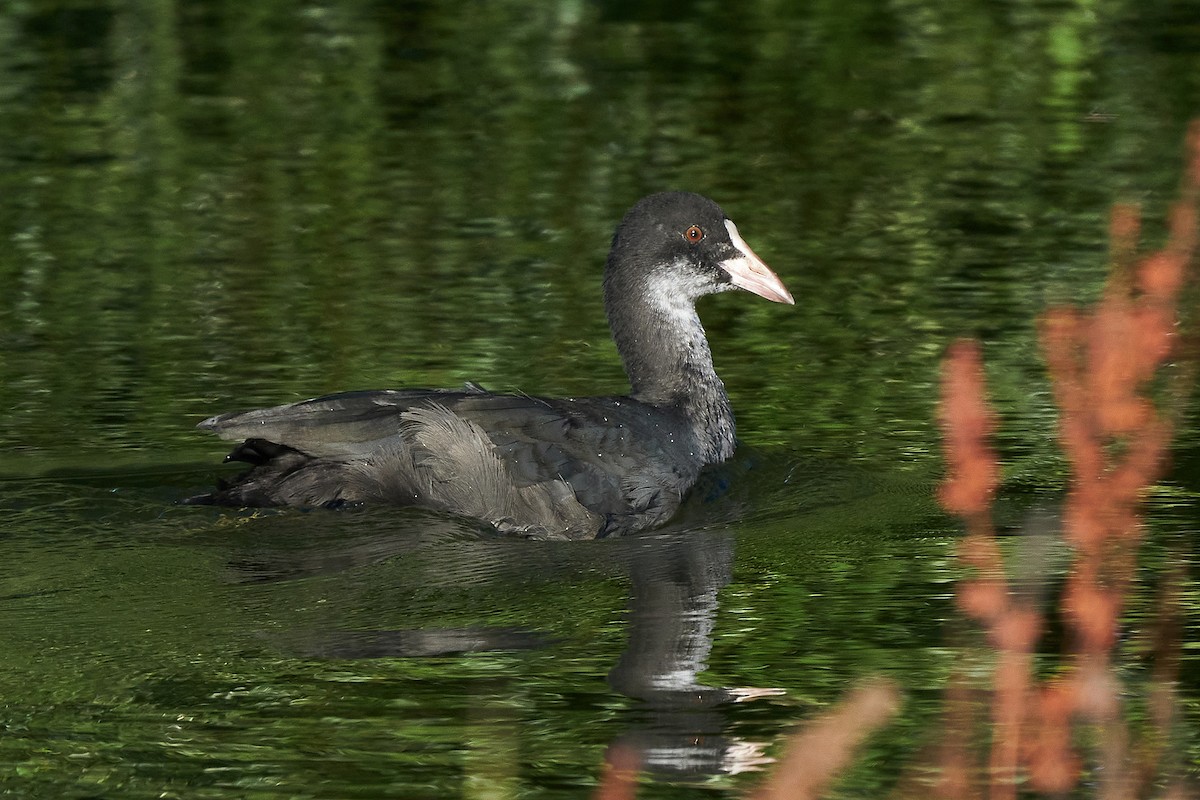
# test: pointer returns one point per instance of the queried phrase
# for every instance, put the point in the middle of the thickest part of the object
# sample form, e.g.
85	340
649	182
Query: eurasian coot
546	467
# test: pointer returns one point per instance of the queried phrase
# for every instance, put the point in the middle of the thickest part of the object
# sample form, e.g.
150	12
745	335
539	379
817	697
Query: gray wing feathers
337	425
466	474
524	465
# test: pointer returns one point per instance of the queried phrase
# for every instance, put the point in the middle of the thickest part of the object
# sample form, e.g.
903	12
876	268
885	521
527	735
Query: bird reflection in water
681	723
676	726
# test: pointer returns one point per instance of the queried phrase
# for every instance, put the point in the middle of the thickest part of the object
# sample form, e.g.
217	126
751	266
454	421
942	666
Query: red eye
693	234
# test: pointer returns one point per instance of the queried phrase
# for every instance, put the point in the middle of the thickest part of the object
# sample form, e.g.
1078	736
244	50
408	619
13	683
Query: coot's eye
693	234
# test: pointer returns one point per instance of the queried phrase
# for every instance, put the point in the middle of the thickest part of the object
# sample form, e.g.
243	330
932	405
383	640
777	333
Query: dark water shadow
378	560
677	723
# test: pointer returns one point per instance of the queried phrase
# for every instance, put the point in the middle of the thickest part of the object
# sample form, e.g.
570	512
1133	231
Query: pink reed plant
1102	365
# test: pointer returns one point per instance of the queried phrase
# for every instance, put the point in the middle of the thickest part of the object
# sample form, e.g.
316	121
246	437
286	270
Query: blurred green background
210	205
207	204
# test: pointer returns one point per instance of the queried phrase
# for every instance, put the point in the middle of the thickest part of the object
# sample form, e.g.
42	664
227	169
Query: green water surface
214	205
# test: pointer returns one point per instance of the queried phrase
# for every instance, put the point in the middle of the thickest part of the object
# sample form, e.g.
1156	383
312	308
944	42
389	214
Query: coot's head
680	246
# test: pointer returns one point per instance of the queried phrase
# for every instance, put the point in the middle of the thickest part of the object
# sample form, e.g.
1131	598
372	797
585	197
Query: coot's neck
665	352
